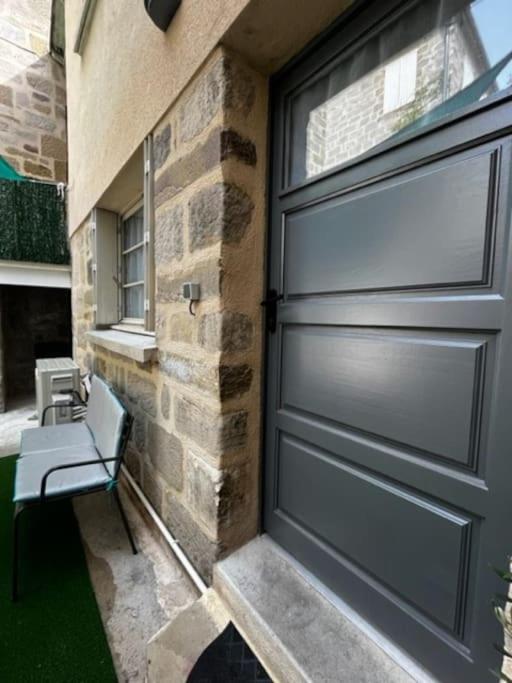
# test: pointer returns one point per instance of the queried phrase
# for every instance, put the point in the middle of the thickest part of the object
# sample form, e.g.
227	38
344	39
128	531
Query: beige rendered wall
195	448
32	92
131	73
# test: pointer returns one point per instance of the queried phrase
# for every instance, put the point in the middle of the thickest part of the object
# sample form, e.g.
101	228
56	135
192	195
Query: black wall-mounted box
161	12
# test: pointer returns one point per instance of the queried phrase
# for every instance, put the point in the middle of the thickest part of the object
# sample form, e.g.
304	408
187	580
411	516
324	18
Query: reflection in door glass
435	58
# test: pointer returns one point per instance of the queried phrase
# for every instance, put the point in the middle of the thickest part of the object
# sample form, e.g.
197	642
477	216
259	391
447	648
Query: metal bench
68	460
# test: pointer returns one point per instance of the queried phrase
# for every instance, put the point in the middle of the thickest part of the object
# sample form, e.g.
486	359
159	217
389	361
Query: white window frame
106	229
134	322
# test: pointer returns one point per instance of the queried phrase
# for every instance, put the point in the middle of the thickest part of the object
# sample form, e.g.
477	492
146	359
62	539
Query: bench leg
125	521
18	509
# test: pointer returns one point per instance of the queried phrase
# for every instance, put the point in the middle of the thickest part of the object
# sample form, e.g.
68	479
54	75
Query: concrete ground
137	594
20	414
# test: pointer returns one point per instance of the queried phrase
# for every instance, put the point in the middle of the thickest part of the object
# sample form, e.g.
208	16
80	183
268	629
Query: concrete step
297	633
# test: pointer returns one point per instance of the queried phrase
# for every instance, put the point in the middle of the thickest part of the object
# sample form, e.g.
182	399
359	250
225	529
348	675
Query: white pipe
172	542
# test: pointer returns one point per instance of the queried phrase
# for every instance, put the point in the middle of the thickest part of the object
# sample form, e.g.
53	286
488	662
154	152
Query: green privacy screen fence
32	223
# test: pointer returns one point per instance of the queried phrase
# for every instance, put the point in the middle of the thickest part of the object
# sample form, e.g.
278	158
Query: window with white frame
124	260
131	260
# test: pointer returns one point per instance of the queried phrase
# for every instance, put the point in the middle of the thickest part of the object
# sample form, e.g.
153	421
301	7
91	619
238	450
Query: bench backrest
105	418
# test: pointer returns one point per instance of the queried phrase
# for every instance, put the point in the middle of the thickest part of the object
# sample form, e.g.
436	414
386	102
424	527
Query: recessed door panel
422	390
414	546
425	229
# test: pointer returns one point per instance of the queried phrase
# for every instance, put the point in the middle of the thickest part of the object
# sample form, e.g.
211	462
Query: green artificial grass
54	632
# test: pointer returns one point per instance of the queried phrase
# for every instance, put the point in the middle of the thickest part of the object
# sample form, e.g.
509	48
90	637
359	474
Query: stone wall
195	446
32	92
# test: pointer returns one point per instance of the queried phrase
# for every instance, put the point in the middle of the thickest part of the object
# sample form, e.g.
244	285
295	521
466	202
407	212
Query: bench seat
55	437
31	470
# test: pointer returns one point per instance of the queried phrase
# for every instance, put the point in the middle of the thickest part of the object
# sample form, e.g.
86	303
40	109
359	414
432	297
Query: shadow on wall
36	324
32	104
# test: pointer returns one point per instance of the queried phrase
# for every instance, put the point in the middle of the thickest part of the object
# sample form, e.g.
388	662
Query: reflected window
433	59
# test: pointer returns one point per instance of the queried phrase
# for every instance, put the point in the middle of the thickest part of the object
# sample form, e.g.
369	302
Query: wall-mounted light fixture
161	11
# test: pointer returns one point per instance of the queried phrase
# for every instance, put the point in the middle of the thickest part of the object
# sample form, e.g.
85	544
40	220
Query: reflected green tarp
32	222
471	94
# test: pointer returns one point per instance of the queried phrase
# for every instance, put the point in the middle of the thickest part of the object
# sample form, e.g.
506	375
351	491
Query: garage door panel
404	233
423	390
436	478
413	546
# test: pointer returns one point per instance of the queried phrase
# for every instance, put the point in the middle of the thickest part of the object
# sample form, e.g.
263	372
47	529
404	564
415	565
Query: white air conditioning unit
56	379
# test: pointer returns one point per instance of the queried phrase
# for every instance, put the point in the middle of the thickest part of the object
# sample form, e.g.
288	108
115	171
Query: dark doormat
228	660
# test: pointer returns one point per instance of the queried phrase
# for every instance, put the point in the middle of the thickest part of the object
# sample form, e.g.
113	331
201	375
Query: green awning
7	172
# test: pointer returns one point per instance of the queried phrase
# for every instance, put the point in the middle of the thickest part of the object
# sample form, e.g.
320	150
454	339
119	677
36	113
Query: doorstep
297	633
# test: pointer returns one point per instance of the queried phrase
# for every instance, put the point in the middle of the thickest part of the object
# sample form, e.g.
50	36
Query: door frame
494	121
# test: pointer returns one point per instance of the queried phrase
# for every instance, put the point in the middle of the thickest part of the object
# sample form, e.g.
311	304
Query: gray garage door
389	392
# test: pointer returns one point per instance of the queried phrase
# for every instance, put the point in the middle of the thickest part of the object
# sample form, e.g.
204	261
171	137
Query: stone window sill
139	347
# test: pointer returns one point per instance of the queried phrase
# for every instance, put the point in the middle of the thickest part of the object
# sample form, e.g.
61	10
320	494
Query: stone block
188	168
169	235
162	146
61	171
39	83
166	453
42	108
204	484
216	433
208	273
39	97
225	85
203	103
139	431
182	327
235	146
220	211
219	497
40	122
228	331
60	94
100	366
202	550
6	96
234	380
226	381
152	488
240	87
165	401
220	145
190	371
53	147
37	170
142	392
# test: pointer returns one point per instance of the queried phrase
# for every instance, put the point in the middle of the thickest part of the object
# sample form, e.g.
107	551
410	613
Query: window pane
133	229
133	266
433	59
134	301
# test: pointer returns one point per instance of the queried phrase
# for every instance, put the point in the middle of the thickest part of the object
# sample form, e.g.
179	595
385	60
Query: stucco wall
195	448
131	73
32	92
